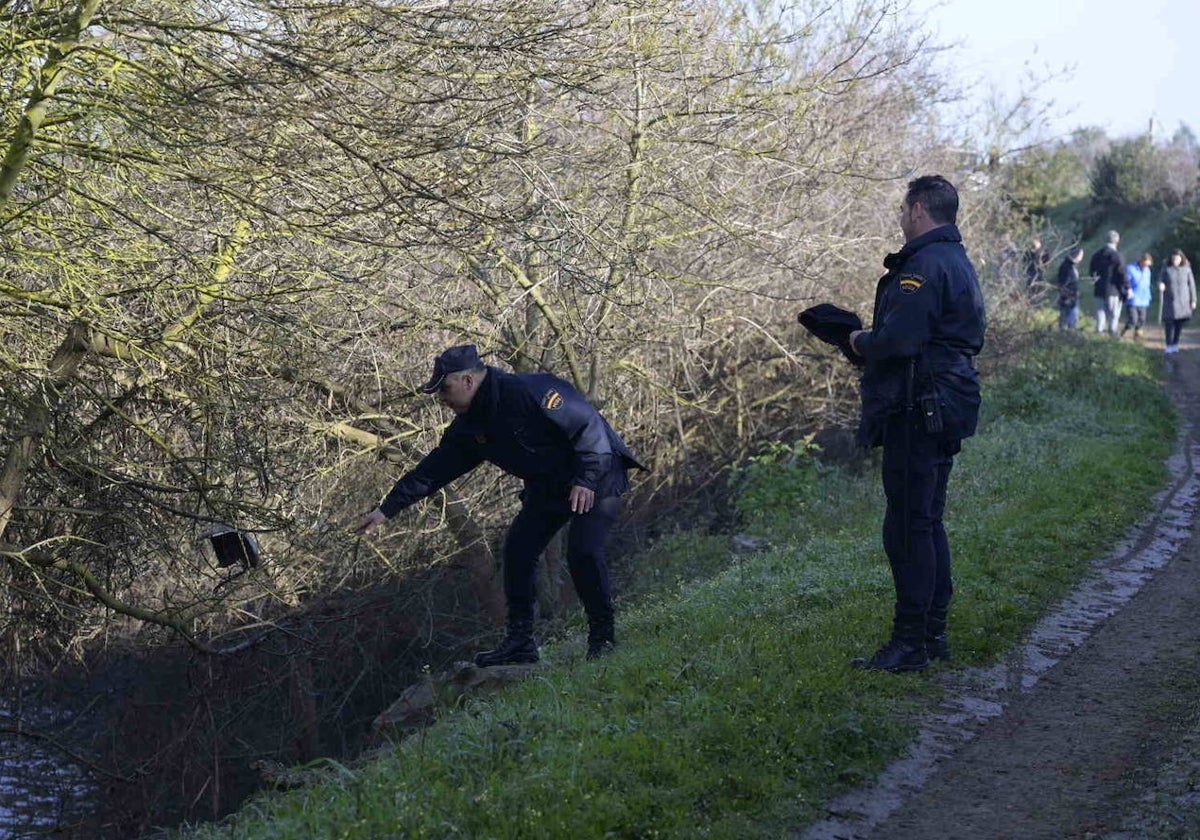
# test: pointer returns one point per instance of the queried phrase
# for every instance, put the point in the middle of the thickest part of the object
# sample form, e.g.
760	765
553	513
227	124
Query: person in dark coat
1033	268
1178	288
920	399
1068	289
1110	286
536	427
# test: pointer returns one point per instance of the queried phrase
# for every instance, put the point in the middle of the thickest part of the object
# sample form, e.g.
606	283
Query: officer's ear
470	381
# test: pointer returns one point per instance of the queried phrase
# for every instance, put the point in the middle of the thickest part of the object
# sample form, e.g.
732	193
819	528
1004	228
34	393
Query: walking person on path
1140	294
1109	284
1068	289
920	398
1178	288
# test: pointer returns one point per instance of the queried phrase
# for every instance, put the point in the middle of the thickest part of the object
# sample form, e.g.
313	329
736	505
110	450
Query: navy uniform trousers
530	533
916	470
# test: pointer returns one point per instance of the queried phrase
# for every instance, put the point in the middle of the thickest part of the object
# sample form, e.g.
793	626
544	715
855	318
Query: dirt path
1091	730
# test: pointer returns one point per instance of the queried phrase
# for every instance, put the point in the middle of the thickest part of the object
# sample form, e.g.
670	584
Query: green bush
782	479
1185	235
1140	173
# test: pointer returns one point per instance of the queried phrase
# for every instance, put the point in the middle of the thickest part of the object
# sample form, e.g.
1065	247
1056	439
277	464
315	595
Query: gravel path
1093	729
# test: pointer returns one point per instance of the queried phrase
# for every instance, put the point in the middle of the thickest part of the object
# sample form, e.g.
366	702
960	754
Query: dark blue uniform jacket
534	426
929	317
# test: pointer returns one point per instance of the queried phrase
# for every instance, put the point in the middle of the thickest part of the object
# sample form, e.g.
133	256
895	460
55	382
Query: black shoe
601	637
896	656
600	648
514	650
937	647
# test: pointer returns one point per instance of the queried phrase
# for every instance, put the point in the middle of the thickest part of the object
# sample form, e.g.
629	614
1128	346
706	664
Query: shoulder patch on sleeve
910	284
552	401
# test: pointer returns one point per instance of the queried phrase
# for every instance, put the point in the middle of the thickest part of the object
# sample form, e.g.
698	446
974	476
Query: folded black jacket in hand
833	325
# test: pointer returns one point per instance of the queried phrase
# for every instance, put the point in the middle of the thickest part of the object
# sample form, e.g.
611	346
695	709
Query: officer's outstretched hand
581	499
370	522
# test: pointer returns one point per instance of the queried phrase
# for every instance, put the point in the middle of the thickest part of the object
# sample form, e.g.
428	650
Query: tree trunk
36	420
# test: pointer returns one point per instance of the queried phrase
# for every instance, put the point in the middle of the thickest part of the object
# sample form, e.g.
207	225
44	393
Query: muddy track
1091	729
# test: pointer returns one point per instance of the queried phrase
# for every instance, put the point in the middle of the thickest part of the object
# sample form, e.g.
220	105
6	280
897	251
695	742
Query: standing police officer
920	398
540	429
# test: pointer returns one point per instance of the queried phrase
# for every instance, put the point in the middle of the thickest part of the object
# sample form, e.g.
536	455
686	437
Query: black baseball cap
461	357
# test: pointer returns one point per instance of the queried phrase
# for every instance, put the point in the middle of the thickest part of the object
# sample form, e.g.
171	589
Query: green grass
729	710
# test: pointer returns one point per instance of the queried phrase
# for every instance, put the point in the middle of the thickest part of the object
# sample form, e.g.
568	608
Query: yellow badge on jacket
552	401
911	283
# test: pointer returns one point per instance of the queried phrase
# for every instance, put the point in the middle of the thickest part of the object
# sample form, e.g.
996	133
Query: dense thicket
1141	173
235	233
1185	235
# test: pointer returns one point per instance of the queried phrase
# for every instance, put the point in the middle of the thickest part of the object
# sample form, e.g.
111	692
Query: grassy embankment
730	709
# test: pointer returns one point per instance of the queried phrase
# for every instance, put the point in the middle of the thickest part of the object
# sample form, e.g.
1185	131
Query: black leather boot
937	644
895	656
518	647
905	651
601	638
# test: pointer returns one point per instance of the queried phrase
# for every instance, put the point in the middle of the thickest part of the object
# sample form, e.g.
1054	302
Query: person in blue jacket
536	427
1141	293
920	399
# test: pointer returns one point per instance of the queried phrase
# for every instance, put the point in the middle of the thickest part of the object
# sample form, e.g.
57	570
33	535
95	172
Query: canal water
42	792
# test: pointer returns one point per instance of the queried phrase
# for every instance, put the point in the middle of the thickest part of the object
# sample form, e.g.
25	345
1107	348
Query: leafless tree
236	232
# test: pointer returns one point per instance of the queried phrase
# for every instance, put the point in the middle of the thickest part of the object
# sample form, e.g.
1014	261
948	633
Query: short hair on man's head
1075	252
936	195
1113	237
477	370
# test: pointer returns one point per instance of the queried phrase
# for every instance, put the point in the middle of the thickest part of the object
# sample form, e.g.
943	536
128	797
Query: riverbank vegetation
730	709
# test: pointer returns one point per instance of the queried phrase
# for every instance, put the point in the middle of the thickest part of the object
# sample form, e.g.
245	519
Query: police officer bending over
540	429
920	398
